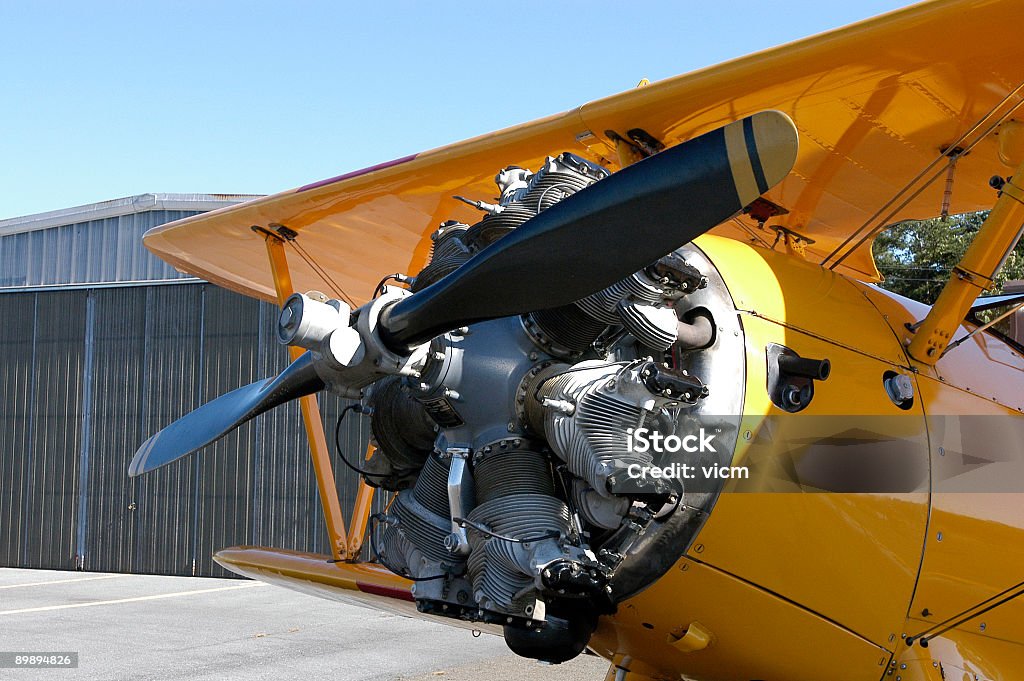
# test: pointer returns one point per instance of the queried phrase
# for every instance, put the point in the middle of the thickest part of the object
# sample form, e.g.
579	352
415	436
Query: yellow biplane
633	388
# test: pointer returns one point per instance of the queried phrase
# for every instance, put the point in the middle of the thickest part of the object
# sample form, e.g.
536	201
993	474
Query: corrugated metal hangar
105	344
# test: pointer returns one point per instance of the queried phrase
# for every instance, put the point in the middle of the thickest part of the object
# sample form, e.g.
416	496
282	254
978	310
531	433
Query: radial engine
520	496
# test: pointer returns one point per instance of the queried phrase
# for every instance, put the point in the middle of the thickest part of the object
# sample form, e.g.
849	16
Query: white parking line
176	594
60	581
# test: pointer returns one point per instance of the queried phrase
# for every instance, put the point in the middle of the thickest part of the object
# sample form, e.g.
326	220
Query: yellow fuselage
786	582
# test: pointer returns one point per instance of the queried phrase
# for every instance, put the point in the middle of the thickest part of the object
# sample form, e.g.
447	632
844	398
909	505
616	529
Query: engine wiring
379	557
376	517
394	276
462	522
341	451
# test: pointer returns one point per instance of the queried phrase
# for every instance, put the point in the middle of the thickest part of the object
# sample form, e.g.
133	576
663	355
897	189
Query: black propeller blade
579	246
605	232
215	419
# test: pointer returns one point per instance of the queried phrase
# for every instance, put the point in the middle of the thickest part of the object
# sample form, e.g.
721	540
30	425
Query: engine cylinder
496	225
501	567
404	434
653	325
505	472
516	503
563	331
524	195
448	252
587	414
423	519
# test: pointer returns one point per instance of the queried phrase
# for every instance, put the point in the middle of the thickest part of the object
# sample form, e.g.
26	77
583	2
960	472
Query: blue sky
102	100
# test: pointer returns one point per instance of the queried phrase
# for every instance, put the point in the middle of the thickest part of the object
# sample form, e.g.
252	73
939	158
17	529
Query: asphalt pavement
151	627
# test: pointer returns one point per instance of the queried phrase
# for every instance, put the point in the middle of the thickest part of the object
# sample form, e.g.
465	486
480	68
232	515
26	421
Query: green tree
917	256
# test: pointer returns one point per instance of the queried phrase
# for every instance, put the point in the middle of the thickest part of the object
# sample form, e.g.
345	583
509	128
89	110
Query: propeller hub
307	322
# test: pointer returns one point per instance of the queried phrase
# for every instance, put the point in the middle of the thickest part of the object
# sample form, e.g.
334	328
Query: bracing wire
952	151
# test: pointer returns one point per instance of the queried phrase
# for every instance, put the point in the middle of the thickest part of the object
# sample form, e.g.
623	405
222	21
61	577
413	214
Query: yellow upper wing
874	102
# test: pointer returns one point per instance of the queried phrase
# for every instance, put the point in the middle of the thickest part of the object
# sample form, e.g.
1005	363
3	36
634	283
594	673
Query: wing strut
973	275
343	548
